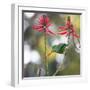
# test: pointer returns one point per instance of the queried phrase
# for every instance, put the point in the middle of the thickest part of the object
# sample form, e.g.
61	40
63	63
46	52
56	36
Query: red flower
43	25
68	29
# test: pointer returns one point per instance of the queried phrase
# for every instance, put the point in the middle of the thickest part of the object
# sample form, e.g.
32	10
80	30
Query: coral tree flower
68	29
43	26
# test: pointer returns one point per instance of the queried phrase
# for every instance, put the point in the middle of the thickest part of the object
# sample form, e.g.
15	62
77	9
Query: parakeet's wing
59	48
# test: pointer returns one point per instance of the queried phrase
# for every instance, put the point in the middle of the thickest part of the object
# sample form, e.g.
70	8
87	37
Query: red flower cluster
68	29
43	26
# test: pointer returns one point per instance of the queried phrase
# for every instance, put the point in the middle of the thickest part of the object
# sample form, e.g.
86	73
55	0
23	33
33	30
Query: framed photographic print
47	43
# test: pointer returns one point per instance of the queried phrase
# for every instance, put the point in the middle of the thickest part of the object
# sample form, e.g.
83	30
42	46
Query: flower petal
63	32
41	20
47	20
49	31
49	24
38	27
73	32
75	35
44	19
39	30
62	28
68	22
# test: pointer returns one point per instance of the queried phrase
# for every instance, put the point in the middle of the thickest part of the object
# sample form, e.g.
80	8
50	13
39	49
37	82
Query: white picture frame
16	54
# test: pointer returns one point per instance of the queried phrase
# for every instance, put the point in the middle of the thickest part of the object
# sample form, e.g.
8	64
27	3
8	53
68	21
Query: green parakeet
59	48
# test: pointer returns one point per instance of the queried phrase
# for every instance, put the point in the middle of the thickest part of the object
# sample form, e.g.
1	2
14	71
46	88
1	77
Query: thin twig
68	36
60	68
46	62
74	41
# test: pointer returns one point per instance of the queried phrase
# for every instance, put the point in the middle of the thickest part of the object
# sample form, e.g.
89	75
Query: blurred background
34	47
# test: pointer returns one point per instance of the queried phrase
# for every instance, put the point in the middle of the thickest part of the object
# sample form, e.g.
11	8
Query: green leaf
59	48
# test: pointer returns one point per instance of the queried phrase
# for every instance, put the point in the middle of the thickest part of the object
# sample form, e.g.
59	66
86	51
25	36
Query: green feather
59	48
